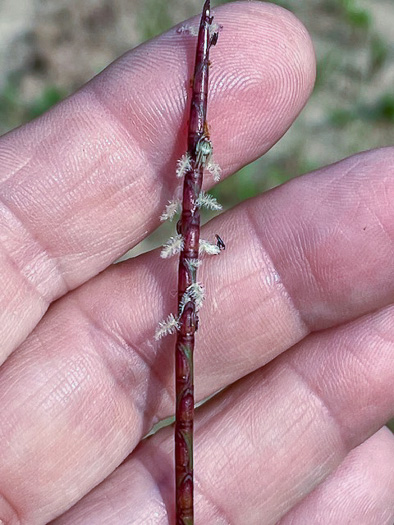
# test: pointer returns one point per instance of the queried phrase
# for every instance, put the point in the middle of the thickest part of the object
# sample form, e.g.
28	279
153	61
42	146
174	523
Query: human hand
297	323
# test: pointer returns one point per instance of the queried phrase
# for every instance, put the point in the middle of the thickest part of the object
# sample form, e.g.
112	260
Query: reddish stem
189	227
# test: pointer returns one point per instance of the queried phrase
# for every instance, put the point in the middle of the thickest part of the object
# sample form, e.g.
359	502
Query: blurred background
50	48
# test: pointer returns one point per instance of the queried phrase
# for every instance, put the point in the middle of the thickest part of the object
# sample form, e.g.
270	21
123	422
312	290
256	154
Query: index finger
89	179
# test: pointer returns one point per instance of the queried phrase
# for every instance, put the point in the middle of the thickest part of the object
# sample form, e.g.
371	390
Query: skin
298	323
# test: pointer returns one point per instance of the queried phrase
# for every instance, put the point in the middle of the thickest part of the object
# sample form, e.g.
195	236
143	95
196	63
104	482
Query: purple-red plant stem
189	227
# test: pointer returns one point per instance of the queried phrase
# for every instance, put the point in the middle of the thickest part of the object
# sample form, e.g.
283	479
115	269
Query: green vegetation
14	110
50	96
154	18
355	15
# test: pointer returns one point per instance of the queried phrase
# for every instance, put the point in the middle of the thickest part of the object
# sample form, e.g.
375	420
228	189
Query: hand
297	323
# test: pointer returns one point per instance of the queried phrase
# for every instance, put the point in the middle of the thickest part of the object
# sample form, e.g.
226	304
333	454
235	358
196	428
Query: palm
81	389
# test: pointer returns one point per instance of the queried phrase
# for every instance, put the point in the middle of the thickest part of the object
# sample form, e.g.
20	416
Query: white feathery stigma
173	246
192	264
215	170
188	29
196	292
193	30
183	165
208	248
172	208
214	28
168	326
208	201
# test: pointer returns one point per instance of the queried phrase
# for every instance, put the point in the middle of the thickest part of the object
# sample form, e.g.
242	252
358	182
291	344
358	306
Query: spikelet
183	165
193	30
215	170
196	292
215	28
188	30
166	327
208	201
208	248
171	210
192	264
173	246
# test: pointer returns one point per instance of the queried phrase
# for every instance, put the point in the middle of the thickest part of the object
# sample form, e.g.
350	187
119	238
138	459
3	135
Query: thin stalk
199	151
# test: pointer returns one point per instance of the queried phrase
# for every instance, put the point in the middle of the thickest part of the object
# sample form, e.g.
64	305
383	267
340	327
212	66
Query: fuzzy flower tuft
173	246
166	327
171	210
215	170
183	165
193	30
188	30
192	264
215	28
194	292
208	201
208	248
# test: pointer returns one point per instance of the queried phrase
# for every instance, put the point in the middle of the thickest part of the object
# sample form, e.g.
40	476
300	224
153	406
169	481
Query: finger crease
9	514
267	261
214	506
326	408
128	348
53	262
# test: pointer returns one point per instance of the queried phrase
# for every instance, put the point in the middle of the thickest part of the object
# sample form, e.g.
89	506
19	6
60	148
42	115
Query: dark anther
214	39
219	242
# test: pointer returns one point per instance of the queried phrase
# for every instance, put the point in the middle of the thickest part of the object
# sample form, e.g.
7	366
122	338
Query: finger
360	491
287	272
89	179
92	379
268	440
282	275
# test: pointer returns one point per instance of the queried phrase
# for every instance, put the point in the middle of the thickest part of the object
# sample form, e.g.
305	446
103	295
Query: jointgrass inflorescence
187	242
208	201
215	170
173	246
208	248
193	30
166	327
190	293
172	208
183	165
195	292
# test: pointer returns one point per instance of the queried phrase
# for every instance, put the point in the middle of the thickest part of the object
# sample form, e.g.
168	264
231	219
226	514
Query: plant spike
198	155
